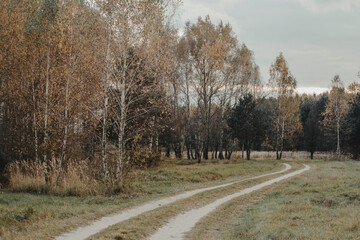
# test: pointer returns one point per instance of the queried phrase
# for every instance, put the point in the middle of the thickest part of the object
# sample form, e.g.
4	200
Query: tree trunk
105	110
248	154
66	109
231	149
312	155
46	166
242	151
221	157
206	153
188	152
36	143
157	143
167	152
229	155
151	143
122	123
338	151
118	175
178	151
277	141
282	139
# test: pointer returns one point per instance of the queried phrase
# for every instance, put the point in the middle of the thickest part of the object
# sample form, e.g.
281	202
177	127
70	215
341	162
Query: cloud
331	5
318	37
217	10
311	90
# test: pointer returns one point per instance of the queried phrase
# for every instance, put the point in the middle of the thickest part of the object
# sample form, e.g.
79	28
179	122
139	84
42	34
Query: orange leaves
281	78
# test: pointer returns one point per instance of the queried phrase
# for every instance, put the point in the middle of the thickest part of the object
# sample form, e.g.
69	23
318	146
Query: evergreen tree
354	123
246	122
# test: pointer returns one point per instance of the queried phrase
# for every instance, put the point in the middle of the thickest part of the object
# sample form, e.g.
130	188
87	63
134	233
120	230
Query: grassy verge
31	216
323	203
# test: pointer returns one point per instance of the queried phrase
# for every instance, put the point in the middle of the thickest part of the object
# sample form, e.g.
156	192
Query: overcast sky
319	38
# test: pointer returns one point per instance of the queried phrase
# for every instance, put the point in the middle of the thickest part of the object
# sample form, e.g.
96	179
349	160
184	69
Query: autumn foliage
92	89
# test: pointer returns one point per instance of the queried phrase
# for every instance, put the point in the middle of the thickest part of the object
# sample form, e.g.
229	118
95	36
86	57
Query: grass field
323	203
141	227
31	216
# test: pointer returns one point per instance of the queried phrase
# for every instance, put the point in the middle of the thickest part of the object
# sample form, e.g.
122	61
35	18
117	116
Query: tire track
105	222
183	223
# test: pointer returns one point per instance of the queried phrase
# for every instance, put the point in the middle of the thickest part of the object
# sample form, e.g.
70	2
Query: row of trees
112	81
328	122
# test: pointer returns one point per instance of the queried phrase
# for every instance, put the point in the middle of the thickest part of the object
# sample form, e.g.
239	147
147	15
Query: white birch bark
46	165
105	110
66	110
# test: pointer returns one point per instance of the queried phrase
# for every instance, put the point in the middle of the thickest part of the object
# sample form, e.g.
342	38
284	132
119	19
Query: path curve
105	222
183	223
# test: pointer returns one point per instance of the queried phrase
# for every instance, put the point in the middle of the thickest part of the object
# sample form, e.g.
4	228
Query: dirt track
183	223
105	222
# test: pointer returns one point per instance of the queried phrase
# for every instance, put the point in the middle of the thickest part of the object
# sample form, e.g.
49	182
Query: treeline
91	89
328	122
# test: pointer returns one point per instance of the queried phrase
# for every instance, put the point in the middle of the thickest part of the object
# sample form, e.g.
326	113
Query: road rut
183	223
105	222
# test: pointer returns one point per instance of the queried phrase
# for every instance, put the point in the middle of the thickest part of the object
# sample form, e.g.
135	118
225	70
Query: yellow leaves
354	88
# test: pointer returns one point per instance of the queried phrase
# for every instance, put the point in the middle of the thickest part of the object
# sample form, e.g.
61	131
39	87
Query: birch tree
336	109
210	45
282	84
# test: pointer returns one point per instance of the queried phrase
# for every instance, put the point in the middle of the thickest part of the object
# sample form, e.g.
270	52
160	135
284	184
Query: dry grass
76	179
146	224
321	204
33	216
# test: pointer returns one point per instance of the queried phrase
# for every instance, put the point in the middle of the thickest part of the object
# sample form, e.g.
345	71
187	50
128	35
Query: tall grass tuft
76	179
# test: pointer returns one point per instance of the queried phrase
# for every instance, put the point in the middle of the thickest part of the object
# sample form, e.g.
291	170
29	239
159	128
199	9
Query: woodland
90	90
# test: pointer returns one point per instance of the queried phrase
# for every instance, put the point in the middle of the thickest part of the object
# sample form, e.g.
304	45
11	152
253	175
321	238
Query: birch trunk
282	139
66	110
105	110
46	166
278	131
151	144
221	156
338	150
36	143
188	136
122	124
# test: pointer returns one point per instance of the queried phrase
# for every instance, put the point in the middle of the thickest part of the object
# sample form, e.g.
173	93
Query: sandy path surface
183	223
105	222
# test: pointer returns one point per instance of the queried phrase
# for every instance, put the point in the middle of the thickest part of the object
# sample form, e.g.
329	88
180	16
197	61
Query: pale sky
319	38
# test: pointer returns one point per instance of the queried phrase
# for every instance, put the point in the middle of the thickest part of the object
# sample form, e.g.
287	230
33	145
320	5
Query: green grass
321	204
31	216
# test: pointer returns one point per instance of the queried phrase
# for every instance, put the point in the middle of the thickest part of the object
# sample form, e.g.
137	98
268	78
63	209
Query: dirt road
183	223
105	222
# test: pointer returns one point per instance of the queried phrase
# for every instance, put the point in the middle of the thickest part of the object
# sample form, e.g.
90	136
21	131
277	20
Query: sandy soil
183	223
105	222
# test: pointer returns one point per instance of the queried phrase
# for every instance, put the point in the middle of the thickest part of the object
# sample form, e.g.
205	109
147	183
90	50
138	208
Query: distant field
324	203
31	216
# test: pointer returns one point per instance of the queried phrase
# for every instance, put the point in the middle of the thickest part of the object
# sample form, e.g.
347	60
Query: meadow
34	216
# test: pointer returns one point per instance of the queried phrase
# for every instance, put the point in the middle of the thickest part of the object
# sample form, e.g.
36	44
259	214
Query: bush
141	158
